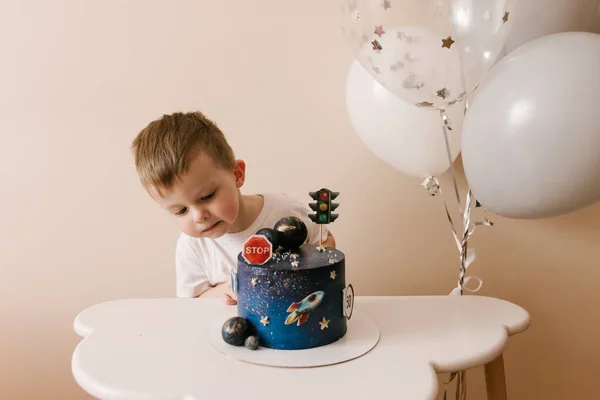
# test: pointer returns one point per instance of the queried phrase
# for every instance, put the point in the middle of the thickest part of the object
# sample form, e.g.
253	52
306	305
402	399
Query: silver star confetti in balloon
443	93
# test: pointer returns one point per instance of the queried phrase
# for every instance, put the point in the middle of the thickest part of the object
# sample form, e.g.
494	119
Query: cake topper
323	208
257	250
291	231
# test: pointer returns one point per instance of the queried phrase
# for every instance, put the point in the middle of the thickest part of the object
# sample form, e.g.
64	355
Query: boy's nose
200	216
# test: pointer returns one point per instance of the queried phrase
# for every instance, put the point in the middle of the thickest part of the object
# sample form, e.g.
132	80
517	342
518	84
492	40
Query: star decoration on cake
379	30
443	93
377	71
331	261
332	275
505	18
386	4
295	263
254	281
448	42
293	256
264	320
324	323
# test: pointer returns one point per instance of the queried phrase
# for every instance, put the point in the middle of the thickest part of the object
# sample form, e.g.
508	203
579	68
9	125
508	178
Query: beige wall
78	79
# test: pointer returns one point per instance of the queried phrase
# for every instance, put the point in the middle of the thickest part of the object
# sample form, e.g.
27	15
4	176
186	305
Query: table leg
495	380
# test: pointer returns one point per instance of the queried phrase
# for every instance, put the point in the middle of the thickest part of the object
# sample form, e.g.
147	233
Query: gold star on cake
324	323
295	263
332	275
293	256
254	281
505	18
264	320
331	261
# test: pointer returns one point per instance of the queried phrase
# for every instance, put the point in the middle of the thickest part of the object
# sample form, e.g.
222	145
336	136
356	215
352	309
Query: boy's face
206	200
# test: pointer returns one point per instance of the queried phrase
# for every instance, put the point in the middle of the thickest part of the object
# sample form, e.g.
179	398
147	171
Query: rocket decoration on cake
300	311
323	210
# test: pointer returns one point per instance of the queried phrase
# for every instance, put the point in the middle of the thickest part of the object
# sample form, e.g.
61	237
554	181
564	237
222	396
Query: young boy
186	165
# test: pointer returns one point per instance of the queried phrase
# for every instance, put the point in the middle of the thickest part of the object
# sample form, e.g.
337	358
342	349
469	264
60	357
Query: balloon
409	139
531	137
537	18
432	53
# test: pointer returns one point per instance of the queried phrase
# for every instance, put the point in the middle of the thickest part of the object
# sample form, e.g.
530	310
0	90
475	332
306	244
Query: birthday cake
291	295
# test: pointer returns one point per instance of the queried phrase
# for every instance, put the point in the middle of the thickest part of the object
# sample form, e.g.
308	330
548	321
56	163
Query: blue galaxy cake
290	297
295	300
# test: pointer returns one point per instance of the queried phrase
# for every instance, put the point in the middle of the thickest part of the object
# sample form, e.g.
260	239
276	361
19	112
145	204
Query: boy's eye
210	196
181	212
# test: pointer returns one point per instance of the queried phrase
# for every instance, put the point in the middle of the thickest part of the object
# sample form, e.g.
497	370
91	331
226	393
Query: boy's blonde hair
164	149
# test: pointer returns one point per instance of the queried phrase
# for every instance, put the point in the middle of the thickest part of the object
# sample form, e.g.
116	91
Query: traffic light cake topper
323	208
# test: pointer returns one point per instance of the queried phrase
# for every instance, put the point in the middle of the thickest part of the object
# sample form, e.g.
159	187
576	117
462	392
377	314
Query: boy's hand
230	297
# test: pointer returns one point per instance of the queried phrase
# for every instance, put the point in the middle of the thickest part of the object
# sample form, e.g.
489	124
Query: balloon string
446	127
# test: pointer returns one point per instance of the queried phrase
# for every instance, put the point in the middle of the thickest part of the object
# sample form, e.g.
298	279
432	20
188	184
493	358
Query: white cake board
362	335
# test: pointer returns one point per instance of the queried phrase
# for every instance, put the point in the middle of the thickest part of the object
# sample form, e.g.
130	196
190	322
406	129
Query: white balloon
533	19
408	138
531	137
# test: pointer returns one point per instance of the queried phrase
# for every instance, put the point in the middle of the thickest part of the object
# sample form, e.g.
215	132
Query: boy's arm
221	290
192	280
330	241
215	291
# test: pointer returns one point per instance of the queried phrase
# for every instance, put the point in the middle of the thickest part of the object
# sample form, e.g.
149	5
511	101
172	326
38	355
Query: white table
158	349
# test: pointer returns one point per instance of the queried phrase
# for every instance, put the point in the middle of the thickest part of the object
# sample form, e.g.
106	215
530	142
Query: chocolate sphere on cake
251	342
272	236
235	331
292	232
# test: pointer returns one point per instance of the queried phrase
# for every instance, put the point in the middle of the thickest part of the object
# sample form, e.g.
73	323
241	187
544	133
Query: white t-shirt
203	263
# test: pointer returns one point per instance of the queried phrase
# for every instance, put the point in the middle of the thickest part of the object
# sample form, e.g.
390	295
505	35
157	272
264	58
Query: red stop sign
257	250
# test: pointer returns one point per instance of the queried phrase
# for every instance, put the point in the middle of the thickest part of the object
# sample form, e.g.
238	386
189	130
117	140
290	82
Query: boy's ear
239	172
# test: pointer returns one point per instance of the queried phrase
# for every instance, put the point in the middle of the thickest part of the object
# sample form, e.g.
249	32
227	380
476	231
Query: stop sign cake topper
257	250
